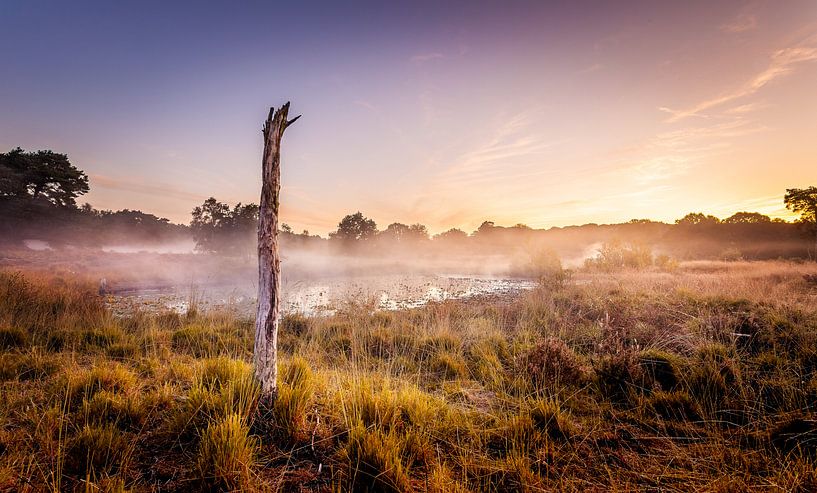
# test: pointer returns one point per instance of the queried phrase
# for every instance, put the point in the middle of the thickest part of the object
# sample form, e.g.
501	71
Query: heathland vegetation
39	192
701	377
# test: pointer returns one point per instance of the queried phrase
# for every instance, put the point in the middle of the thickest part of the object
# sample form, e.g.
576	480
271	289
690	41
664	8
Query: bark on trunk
269	267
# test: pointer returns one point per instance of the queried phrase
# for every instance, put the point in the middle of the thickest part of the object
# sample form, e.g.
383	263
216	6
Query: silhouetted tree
697	219
747	218
355	227
452	234
219	229
803	201
486	228
41	176
403	233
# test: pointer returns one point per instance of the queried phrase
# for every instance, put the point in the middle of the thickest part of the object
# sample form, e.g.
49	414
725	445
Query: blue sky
448	115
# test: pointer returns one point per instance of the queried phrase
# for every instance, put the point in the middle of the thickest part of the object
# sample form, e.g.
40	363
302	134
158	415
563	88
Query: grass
702	378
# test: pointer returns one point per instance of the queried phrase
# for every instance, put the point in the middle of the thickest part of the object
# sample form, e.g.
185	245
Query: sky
442	113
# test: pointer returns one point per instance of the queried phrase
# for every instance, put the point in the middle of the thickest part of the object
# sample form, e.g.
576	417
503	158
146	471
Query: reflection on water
318	296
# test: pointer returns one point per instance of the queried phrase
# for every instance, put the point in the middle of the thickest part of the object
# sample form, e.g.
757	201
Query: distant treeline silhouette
38	193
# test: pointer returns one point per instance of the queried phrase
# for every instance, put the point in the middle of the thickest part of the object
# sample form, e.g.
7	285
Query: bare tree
269	265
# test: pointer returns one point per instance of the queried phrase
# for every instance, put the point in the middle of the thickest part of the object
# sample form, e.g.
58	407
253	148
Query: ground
697	377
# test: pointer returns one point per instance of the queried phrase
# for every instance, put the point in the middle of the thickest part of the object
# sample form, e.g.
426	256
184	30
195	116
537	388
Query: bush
295	391
545	266
619	377
112	378
375	462
226	455
548	417
552	363
294	324
96	449
660	368
125	412
448	366
12	337
676	405
796	434
616	254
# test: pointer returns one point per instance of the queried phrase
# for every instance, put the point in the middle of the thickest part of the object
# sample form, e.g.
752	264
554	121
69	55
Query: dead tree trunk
269	266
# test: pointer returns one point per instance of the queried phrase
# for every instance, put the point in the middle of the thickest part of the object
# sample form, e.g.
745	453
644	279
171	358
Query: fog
385	272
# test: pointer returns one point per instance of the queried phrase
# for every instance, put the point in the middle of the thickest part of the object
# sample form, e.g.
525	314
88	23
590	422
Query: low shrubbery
572	387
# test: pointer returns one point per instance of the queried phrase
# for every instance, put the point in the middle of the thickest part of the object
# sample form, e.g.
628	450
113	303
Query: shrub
12	337
295	324
126	412
448	366
375	462
619	376
545	266
797	434
113	378
549	418
616	254
676	405
96	449
551	363
226	455
295	392
660	368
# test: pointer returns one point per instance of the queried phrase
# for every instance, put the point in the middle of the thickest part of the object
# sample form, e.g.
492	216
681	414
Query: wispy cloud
668	155
591	68
426	57
509	153
133	184
745	21
782	63
365	104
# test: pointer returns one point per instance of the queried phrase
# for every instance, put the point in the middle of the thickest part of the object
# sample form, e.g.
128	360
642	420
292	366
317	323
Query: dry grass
698	379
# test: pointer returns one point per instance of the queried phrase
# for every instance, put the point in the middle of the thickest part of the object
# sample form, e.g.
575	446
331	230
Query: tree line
39	192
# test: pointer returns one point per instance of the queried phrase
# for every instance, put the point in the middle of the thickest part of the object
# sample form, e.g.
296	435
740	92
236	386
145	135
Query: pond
317	296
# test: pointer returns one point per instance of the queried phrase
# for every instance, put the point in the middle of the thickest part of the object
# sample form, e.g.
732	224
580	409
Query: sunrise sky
534	112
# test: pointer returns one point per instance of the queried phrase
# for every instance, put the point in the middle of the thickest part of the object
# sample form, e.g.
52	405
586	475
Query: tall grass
699	379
